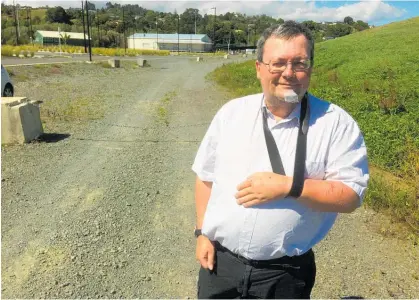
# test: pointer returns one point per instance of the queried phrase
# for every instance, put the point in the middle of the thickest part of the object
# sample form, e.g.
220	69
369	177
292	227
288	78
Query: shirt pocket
315	169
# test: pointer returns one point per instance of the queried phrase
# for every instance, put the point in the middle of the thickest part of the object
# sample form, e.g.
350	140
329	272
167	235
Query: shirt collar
294	114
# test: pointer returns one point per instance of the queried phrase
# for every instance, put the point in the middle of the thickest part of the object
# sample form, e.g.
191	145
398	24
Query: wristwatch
197	232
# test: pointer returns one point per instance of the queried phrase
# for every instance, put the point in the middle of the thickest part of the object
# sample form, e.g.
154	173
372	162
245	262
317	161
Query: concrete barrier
199	58
142	62
114	63
20	120
226	56
244	55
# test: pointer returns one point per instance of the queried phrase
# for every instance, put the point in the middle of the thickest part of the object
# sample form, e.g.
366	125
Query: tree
338	30
36	20
57	15
91	6
361	25
187	20
65	37
313	26
348	20
7	9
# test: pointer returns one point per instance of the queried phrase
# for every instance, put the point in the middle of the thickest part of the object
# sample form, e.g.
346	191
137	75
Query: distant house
164	41
325	38
46	38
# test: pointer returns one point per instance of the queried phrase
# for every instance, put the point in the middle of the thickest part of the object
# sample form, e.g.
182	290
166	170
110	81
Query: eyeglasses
279	66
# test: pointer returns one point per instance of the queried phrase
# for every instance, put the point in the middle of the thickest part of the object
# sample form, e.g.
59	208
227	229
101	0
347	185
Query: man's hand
205	252
262	187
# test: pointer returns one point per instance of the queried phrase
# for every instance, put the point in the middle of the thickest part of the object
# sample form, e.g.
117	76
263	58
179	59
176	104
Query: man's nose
288	72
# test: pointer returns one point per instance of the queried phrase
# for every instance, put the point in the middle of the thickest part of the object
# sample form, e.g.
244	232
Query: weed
162	110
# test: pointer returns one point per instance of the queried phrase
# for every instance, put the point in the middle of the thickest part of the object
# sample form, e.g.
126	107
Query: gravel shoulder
108	212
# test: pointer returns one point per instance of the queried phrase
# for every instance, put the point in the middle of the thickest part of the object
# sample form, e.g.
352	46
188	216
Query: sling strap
300	152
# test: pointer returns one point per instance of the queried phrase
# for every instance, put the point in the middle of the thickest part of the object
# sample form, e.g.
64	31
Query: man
255	227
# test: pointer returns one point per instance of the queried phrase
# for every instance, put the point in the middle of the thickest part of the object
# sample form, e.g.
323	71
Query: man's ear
257	65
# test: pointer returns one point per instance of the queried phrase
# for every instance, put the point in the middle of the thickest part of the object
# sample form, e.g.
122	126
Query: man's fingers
252	203
246	199
204	262
202	257
243	192
211	259
245	184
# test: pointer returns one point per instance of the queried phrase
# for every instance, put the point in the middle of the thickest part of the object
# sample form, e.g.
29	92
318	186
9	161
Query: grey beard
291	97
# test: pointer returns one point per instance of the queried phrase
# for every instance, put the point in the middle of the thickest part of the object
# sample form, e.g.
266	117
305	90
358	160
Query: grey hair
287	30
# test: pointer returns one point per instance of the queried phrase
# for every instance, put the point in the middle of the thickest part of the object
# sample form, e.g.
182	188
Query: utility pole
136	27
27	23
30	24
123	29
213	28
195	22
59	39
133	41
157	29
84	27
98	29
88	30
16	24
178	34
254	39
228	45
248	34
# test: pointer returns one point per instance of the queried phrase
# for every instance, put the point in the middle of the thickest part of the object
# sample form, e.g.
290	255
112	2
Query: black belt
285	261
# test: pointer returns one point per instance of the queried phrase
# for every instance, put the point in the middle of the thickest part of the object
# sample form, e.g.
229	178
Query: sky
375	12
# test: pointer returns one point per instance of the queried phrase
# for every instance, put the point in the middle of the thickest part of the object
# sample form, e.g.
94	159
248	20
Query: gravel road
106	210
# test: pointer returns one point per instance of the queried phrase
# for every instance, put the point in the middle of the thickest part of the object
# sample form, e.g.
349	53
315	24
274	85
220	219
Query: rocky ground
103	206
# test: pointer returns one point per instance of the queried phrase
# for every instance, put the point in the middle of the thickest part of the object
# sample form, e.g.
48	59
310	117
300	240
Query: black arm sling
300	153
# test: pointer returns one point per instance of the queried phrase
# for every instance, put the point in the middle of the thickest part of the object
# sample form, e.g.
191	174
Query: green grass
40	12
374	76
162	108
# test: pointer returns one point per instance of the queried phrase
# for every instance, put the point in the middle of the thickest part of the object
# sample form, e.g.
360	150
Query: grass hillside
374	75
35	12
40	12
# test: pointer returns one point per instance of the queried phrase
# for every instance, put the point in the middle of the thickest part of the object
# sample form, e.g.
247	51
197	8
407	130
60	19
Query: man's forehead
281	47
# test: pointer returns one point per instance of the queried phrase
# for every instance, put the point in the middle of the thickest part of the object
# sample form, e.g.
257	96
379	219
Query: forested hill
109	23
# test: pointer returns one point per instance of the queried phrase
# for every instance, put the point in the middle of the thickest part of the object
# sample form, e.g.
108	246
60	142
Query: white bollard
199	58
142	62
114	63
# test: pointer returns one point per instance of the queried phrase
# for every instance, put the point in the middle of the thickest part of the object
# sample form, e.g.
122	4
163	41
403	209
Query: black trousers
236	277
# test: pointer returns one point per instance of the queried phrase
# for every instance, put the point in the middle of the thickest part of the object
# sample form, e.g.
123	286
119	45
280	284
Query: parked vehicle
7	89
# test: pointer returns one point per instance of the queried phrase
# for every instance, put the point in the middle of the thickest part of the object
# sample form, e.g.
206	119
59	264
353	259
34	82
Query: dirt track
106	211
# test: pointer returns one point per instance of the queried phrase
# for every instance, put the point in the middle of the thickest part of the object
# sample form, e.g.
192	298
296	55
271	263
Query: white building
45	38
186	42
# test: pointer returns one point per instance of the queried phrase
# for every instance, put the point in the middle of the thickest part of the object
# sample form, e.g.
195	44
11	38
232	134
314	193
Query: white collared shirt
234	148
